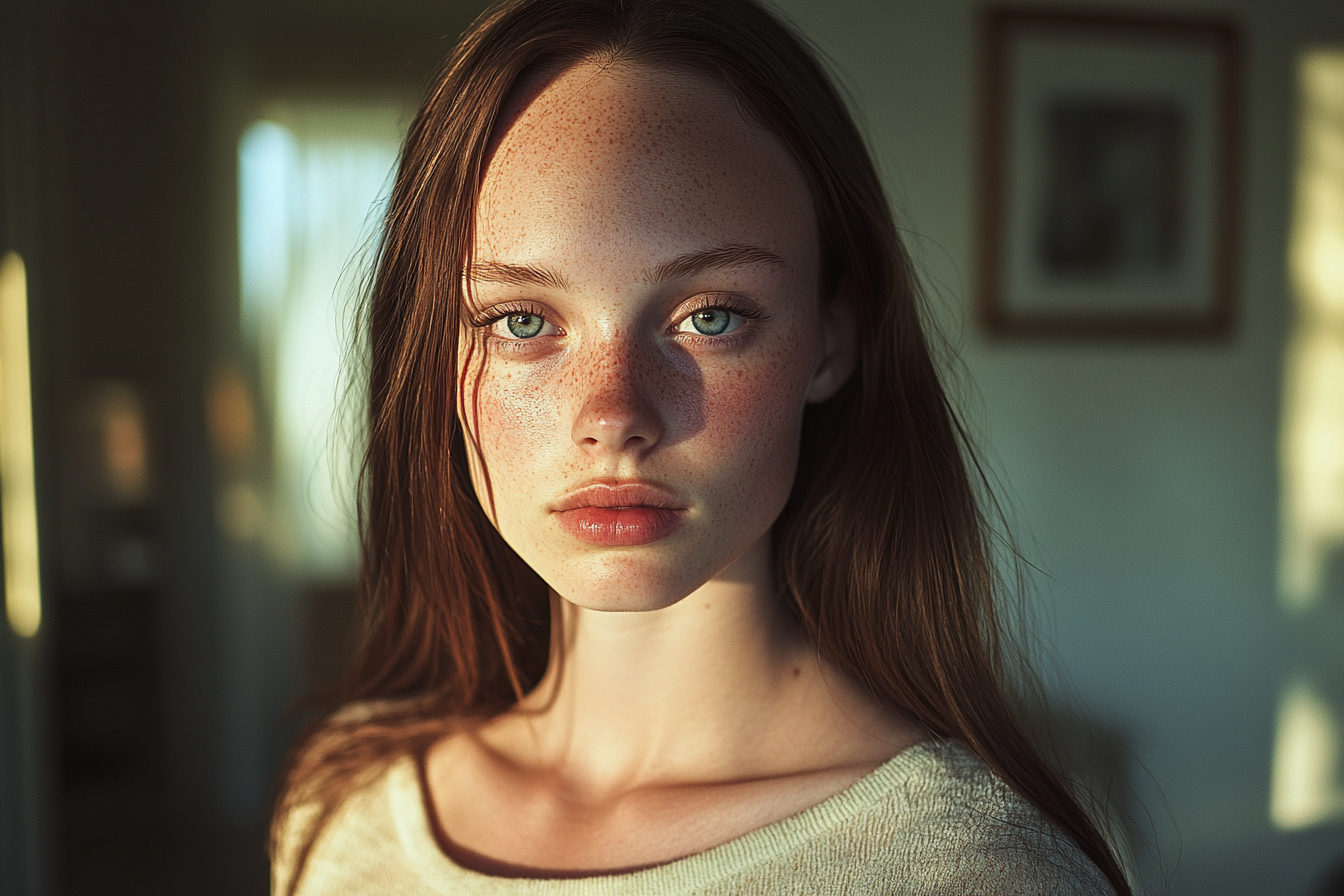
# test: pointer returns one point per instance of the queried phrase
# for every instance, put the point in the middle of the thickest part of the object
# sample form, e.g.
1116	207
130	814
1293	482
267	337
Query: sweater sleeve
294	830
1052	867
991	841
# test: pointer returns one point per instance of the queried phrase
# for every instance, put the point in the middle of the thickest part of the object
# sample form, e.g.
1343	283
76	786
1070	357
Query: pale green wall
1143	476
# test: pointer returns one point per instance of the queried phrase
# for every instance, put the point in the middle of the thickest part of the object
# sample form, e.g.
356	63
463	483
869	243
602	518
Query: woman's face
645	330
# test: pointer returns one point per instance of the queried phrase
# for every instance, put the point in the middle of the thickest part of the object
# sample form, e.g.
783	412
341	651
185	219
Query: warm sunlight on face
647	330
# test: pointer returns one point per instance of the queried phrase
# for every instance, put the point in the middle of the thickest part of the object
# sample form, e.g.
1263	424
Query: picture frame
1110	175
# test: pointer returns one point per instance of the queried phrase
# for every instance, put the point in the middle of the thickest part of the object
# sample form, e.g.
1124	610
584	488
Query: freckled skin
608	173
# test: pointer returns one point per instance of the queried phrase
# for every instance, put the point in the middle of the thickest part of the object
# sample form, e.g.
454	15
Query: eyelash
721	303
496	313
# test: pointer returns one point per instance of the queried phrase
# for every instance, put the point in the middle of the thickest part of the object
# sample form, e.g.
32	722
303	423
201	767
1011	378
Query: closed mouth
620	495
623	514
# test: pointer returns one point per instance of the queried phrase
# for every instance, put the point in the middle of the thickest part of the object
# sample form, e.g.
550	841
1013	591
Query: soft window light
313	178
1312	450
18	484
1305	787
1306	784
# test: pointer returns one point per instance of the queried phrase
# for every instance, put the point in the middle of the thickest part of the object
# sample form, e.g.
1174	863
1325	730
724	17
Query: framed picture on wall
1110	174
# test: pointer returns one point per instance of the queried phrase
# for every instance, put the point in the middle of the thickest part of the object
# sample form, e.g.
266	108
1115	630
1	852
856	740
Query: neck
653	695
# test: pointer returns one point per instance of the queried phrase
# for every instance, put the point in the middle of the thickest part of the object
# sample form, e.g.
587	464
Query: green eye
711	321
525	326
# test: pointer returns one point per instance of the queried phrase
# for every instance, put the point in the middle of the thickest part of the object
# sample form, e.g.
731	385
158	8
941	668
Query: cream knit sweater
932	820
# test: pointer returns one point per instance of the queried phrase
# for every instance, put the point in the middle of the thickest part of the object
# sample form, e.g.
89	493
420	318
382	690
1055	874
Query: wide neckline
410	811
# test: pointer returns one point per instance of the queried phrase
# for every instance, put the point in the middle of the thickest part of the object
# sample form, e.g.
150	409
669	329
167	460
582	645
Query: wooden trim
999	26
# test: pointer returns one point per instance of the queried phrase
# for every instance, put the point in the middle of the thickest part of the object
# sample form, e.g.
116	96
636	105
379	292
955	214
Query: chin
620	603
622	584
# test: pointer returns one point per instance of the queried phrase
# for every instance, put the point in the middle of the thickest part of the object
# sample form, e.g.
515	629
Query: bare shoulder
977	835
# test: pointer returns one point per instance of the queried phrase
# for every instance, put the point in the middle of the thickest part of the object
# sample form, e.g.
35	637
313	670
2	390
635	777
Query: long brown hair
882	550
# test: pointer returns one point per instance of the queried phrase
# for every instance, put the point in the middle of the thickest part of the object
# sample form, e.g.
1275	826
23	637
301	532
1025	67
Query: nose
615	412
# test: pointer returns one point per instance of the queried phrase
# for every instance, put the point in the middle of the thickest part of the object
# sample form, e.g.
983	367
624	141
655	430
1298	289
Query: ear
839	353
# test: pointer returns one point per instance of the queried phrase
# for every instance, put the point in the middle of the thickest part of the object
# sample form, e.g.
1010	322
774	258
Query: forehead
628	159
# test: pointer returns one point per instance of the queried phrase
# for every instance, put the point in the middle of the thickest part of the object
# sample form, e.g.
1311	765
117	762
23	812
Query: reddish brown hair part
883	550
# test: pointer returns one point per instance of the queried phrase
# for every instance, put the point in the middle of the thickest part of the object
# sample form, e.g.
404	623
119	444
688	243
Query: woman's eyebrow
687	265
526	274
693	263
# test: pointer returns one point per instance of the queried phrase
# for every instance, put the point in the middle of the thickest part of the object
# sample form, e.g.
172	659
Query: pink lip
620	515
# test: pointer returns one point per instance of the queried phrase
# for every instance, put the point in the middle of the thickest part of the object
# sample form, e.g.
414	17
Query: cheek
504	418
511	417
753	425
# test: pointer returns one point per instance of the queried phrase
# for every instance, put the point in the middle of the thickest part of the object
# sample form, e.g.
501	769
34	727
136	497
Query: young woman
675	576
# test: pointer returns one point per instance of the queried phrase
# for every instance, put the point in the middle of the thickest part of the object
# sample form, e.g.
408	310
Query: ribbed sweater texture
932	820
